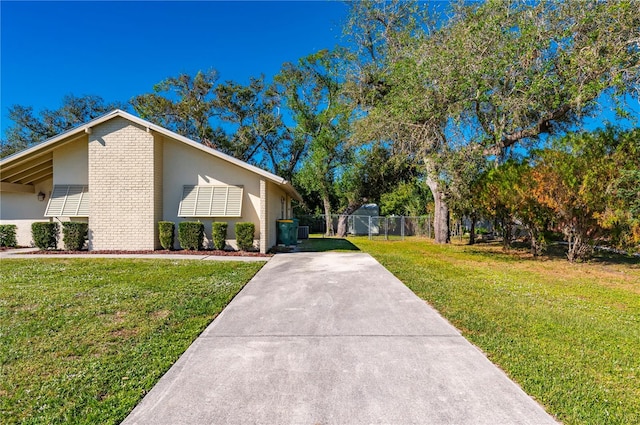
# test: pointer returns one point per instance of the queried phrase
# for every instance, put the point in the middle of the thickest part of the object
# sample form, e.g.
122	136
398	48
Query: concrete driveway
333	338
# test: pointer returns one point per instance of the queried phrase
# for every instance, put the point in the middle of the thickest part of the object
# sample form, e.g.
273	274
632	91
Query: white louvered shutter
211	201
68	201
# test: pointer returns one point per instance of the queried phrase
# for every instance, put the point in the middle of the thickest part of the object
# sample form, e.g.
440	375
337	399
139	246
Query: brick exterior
123	182
264	219
158	157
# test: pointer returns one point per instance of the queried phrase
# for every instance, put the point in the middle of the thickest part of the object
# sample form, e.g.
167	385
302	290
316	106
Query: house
123	175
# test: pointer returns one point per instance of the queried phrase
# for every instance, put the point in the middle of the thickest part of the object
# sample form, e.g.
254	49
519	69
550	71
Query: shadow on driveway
325	245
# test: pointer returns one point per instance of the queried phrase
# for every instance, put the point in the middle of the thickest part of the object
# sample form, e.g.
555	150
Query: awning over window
211	201
68	200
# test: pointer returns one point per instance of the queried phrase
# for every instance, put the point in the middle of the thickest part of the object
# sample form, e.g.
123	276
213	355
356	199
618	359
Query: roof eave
154	127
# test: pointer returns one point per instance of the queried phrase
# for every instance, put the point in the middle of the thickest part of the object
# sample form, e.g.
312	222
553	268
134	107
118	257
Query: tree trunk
441	213
327	216
343	219
506	233
472	232
579	247
538	244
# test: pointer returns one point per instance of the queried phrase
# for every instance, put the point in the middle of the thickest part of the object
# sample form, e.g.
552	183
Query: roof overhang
35	164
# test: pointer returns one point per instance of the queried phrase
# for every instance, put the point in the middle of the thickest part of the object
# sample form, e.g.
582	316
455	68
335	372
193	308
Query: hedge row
166	230
45	234
191	235
74	235
219	234
244	235
8	235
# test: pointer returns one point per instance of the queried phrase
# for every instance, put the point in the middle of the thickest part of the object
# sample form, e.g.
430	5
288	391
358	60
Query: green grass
83	340
569	334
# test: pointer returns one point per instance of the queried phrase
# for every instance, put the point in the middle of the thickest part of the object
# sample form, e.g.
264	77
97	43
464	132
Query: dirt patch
160	314
119	317
124	333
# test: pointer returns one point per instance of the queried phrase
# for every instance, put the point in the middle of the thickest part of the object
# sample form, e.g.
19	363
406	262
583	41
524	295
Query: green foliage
219	234
488	76
166	234
579	178
45	234
409	199
30	129
84	339
243	121
186	108
315	96
191	235
244	235
507	193
8	235
373	171
74	235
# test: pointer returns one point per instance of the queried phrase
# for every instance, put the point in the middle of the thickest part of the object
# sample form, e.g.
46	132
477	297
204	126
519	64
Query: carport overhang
22	171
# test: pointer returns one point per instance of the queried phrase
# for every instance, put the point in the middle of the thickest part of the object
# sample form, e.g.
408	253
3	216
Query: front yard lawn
83	340
569	334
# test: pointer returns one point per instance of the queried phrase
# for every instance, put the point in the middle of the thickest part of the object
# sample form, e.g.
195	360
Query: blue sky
121	49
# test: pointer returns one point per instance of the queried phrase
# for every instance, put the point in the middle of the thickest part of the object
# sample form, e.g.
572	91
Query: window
211	201
68	200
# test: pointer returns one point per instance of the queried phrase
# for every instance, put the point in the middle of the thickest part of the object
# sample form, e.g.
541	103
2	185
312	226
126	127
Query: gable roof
35	164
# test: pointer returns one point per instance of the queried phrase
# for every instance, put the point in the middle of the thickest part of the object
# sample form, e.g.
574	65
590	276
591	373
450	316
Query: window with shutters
211	201
68	200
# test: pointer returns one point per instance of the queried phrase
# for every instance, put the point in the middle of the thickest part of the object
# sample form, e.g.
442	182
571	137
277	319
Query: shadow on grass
555	250
326	244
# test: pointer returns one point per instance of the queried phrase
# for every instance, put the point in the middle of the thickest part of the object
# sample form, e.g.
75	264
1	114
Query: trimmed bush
166	234
45	234
219	234
74	235
191	235
244	235
8	235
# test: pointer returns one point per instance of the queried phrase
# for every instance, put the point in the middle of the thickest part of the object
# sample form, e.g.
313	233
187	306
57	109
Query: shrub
244	235
166	234
45	234
191	235
219	234
8	235
74	235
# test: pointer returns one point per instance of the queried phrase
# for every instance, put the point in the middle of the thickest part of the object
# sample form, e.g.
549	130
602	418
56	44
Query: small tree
244	235
45	234
219	234
574	180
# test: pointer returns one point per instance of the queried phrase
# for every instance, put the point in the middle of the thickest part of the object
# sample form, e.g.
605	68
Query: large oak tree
491	76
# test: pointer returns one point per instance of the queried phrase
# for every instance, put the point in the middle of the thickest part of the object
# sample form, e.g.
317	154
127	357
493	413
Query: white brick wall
264	223
158	158
123	187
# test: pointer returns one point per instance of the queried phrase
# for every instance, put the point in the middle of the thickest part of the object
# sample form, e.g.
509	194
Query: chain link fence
382	228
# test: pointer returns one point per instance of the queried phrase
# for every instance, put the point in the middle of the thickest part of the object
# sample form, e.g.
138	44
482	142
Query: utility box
303	232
